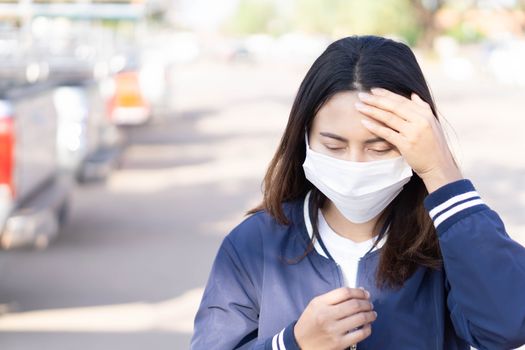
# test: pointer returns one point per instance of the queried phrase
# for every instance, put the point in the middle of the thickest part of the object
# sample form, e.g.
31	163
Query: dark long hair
357	63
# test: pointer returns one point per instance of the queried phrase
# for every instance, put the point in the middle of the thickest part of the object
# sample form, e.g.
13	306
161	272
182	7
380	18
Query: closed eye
382	150
334	148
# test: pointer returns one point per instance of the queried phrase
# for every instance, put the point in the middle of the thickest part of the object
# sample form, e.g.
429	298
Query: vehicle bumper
36	222
130	115
98	166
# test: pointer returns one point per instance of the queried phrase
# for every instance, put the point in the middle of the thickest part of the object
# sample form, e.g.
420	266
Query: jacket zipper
341	284
340	275
354	347
357	272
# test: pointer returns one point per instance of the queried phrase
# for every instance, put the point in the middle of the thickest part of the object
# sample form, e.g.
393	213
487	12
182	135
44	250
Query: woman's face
337	131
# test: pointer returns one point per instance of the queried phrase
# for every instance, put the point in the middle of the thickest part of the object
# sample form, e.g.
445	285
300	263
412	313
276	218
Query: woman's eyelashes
382	150
339	149
331	148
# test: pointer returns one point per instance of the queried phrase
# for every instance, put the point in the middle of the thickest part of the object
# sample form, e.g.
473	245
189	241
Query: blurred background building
134	135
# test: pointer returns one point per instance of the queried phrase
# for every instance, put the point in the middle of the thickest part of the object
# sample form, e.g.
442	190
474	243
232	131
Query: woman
363	191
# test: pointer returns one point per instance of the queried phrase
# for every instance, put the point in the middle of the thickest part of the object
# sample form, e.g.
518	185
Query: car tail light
7	140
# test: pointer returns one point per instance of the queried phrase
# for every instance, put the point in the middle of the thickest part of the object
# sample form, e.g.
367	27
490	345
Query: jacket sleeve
228	314
484	268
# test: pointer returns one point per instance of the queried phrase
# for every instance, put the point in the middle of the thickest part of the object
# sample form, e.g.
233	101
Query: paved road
129	268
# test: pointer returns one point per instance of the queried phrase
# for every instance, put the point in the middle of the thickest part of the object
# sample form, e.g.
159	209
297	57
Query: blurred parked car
128	106
88	143
34	192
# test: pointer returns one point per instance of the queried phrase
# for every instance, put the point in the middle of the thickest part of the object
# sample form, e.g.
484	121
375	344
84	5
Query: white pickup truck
34	192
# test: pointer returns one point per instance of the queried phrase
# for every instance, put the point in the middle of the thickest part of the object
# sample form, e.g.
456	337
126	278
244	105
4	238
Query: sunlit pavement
129	269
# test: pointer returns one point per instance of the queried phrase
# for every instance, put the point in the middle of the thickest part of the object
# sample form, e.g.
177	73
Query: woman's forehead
340	117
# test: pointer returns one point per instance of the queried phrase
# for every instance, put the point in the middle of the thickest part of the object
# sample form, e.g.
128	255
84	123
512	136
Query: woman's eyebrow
341	138
333	136
374	140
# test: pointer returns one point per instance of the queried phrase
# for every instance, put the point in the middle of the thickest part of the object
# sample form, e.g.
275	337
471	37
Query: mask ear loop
306	139
383	231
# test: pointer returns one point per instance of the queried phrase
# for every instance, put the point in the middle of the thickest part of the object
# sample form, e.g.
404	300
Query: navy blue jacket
252	299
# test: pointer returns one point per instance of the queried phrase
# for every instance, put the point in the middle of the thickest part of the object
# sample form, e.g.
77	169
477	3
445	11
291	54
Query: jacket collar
306	231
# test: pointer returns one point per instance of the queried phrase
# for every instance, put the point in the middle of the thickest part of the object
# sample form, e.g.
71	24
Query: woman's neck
345	228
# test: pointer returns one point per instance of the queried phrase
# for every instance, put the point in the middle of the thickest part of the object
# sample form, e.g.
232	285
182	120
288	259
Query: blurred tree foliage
425	12
412	20
358	17
464	33
253	16
330	17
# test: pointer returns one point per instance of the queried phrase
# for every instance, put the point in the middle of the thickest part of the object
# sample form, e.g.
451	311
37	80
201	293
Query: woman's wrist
440	178
294	333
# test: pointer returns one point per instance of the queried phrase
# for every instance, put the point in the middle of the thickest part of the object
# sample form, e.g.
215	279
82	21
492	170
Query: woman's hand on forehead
411	126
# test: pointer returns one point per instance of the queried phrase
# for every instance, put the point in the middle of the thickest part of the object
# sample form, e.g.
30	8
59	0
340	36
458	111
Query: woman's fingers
387	133
388	118
396	97
328	319
356	336
350	307
354	321
355	328
399	105
395	118
412	126
339	295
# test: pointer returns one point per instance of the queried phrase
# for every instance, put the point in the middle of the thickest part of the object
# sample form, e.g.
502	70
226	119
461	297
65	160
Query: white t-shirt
343	250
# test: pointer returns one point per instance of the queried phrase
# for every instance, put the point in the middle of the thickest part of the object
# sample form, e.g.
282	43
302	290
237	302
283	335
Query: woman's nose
355	155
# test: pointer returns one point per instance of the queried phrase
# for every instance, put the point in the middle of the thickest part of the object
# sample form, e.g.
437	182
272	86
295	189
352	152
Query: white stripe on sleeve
456	209
281	341
274	342
452	201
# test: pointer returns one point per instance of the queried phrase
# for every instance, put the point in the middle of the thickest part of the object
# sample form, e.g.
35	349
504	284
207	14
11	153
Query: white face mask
359	190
